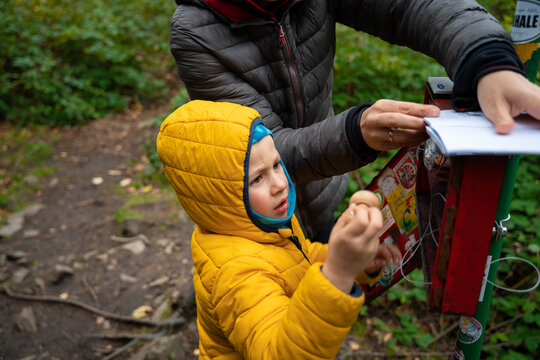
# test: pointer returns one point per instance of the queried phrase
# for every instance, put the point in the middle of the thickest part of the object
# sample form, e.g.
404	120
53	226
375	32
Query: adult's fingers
500	117
407	108
503	95
397	114
390	124
386	139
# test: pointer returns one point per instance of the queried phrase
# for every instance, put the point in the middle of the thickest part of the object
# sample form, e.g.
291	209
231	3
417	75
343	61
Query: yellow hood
203	147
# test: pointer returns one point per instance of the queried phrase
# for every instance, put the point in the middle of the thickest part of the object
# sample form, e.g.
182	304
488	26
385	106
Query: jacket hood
204	147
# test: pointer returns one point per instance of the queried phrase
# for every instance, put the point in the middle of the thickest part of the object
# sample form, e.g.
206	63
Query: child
262	289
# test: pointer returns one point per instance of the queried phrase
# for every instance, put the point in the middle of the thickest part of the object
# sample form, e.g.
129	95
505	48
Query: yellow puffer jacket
258	297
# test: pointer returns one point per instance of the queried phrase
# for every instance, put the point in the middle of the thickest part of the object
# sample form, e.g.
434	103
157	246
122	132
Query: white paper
471	133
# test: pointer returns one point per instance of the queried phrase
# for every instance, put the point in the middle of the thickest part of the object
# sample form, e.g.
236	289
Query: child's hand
353	245
386	254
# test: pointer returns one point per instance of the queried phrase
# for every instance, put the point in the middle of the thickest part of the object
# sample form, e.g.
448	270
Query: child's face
268	185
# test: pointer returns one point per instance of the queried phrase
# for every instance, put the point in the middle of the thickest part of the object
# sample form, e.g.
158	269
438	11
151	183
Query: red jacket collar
245	10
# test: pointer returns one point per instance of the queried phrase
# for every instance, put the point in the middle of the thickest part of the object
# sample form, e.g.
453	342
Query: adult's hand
502	95
390	124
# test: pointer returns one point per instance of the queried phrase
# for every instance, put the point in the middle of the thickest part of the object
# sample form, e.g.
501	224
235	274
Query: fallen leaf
114	172
63	296
98	180
125	182
127	278
160	281
141	311
354	345
387	337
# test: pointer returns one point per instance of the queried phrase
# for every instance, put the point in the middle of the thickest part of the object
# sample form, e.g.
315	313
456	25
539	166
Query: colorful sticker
390	269
458	354
388	274
387	182
406	173
470	330
378	193
388	220
410	244
403	207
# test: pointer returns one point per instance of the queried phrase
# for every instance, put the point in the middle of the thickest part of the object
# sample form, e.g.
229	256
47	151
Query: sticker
387	182
403	207
406	173
458	354
378	193
388	220
470	330
390	269
484	279
526	24
388	274
410	244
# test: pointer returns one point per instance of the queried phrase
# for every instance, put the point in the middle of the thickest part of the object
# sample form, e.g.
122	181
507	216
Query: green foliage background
64	62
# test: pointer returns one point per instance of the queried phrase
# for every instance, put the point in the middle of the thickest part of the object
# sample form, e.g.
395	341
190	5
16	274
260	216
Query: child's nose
279	183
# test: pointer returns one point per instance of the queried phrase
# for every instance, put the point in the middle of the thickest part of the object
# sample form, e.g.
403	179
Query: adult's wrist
354	134
488	58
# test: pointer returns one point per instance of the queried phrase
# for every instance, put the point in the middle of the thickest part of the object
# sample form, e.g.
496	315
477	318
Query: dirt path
74	249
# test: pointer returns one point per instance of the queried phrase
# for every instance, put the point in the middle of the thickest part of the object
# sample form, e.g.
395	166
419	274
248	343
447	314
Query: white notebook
471	133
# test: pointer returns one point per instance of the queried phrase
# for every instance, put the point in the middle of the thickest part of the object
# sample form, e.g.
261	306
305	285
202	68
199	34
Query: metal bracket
501	228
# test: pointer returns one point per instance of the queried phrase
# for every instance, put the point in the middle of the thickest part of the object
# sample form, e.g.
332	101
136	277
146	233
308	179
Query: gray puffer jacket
283	67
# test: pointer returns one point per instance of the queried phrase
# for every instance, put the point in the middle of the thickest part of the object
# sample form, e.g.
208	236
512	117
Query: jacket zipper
292	73
296	243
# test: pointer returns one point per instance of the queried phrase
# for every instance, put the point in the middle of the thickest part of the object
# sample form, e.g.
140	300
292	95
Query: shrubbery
63	62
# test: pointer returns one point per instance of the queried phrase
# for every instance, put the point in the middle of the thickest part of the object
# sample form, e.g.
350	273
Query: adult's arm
446	30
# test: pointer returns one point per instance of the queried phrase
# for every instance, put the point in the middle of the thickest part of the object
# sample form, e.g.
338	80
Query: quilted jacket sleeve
447	30
316	252
263	323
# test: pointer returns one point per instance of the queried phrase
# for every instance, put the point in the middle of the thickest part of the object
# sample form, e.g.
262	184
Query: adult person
276	56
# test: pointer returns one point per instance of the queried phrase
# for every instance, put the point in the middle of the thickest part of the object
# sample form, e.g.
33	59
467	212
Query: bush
64	62
367	69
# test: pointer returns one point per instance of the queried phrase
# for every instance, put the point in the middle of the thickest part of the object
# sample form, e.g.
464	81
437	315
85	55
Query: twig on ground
133	343
90	290
124	336
69	337
120	350
123	318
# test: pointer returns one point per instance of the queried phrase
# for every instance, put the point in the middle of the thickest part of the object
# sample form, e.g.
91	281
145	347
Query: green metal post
471	329
526	37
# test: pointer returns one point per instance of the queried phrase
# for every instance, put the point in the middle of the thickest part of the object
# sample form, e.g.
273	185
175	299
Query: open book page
471	133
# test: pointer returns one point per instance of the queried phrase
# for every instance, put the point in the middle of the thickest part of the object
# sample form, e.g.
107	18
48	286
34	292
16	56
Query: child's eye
256	180
277	165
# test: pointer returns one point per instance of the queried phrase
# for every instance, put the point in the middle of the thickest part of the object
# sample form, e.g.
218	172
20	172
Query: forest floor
93	237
